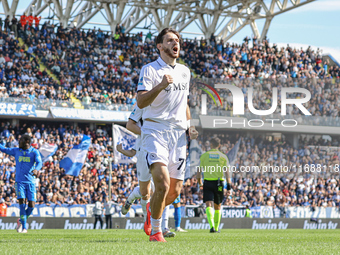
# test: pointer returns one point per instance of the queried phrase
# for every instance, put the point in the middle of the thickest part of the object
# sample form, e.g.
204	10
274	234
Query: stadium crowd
53	186
97	67
299	186
254	188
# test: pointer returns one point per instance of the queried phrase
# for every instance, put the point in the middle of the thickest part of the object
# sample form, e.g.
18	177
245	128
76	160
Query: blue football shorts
26	190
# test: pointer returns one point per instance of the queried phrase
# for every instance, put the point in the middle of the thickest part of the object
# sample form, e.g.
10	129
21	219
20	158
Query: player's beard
170	53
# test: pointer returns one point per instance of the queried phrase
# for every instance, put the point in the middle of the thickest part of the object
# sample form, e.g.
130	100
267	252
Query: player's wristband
228	186
188	124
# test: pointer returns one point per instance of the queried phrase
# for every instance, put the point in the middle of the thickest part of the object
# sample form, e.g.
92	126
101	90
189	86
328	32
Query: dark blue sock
177	216
29	211
23	215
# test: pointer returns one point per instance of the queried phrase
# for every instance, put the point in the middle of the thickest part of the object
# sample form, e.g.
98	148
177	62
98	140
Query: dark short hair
160	37
27	138
215	142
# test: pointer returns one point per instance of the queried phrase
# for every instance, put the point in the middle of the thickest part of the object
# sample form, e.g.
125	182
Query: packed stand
224	60
299	186
21	77
97	67
53	186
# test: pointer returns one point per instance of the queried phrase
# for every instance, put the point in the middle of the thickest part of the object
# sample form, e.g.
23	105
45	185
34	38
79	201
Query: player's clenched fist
167	79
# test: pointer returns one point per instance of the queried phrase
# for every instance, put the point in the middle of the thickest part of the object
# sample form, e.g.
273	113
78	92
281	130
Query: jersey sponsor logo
168	88
24	159
214	156
178	86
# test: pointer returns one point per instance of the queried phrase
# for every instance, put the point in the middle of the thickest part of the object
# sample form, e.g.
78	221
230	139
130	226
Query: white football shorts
161	143
143	172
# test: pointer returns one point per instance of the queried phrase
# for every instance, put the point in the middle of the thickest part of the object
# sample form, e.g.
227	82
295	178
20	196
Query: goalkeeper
212	164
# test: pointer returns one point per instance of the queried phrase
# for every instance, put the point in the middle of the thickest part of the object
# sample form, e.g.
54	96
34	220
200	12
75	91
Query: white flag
123	136
232	154
47	150
75	157
195	152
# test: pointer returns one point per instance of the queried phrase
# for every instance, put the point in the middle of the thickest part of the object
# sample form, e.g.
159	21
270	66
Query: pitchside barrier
187	211
9	223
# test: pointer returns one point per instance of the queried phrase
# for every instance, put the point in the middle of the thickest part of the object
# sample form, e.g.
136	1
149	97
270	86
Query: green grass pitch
194	242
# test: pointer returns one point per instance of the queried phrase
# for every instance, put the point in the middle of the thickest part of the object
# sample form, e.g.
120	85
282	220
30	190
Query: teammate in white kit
143	190
163	91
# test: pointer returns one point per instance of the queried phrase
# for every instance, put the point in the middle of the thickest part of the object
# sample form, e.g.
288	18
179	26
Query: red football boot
158	237
147	223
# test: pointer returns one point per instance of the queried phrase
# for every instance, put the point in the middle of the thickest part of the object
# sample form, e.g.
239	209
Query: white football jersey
136	115
169	107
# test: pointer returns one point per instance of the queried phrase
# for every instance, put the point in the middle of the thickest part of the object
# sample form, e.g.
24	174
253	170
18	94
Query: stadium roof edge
224	18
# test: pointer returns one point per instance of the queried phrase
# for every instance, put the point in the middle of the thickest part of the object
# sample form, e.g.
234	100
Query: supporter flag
47	150
232	154
195	152
75	158
187	169
123	136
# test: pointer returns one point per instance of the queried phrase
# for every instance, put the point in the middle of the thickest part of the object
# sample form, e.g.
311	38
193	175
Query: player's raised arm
9	151
146	97
132	126
128	153
134	121
38	161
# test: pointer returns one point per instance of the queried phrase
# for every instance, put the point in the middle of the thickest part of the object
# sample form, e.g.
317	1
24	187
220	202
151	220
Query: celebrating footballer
163	91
